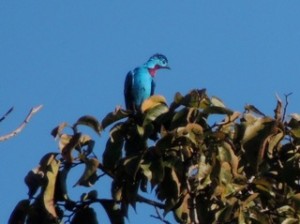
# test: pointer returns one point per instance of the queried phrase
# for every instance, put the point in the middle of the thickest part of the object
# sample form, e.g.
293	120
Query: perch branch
22	125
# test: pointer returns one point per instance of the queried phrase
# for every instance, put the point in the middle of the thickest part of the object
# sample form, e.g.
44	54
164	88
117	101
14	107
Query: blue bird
139	83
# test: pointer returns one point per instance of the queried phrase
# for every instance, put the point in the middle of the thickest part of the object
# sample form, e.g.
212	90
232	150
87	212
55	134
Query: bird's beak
167	67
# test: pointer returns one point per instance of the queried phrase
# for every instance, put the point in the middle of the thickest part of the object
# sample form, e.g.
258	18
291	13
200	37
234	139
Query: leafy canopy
205	162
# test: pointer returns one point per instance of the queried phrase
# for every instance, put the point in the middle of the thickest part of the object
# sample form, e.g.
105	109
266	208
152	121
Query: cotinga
139	83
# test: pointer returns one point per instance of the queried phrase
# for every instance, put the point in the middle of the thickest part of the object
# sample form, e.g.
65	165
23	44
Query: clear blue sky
72	56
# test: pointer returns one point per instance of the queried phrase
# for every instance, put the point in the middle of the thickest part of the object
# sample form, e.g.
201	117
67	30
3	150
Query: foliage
206	163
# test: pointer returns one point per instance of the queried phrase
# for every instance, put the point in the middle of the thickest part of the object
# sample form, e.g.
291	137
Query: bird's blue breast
141	86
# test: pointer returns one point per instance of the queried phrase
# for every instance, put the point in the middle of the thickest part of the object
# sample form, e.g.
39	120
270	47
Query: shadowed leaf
58	130
89	176
91	122
114	213
85	215
112	117
19	213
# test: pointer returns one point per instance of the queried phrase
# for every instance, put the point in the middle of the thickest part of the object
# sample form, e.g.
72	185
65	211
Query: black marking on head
160	57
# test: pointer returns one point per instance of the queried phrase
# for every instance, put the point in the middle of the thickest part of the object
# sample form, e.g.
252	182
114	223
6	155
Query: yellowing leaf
48	194
217	102
152	102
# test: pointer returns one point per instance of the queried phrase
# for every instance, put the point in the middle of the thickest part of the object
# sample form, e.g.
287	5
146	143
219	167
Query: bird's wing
127	91
152	87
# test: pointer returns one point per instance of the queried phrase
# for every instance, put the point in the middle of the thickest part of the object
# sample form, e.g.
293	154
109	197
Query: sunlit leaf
49	189
253	109
296	199
226	154
290	221
215	101
153	113
152	102
278	109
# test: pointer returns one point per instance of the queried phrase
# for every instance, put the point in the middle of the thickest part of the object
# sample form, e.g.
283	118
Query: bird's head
155	62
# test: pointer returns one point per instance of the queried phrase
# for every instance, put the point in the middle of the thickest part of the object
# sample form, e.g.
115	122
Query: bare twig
6	114
286	105
159	216
22	125
150	202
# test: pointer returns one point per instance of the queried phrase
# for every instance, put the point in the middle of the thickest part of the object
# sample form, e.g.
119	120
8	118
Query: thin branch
149	202
22	125
6	114
160	217
286	105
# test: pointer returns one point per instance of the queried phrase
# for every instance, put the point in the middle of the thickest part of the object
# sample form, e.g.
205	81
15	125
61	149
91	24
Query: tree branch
6	114
286	104
160	217
22	125
150	202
